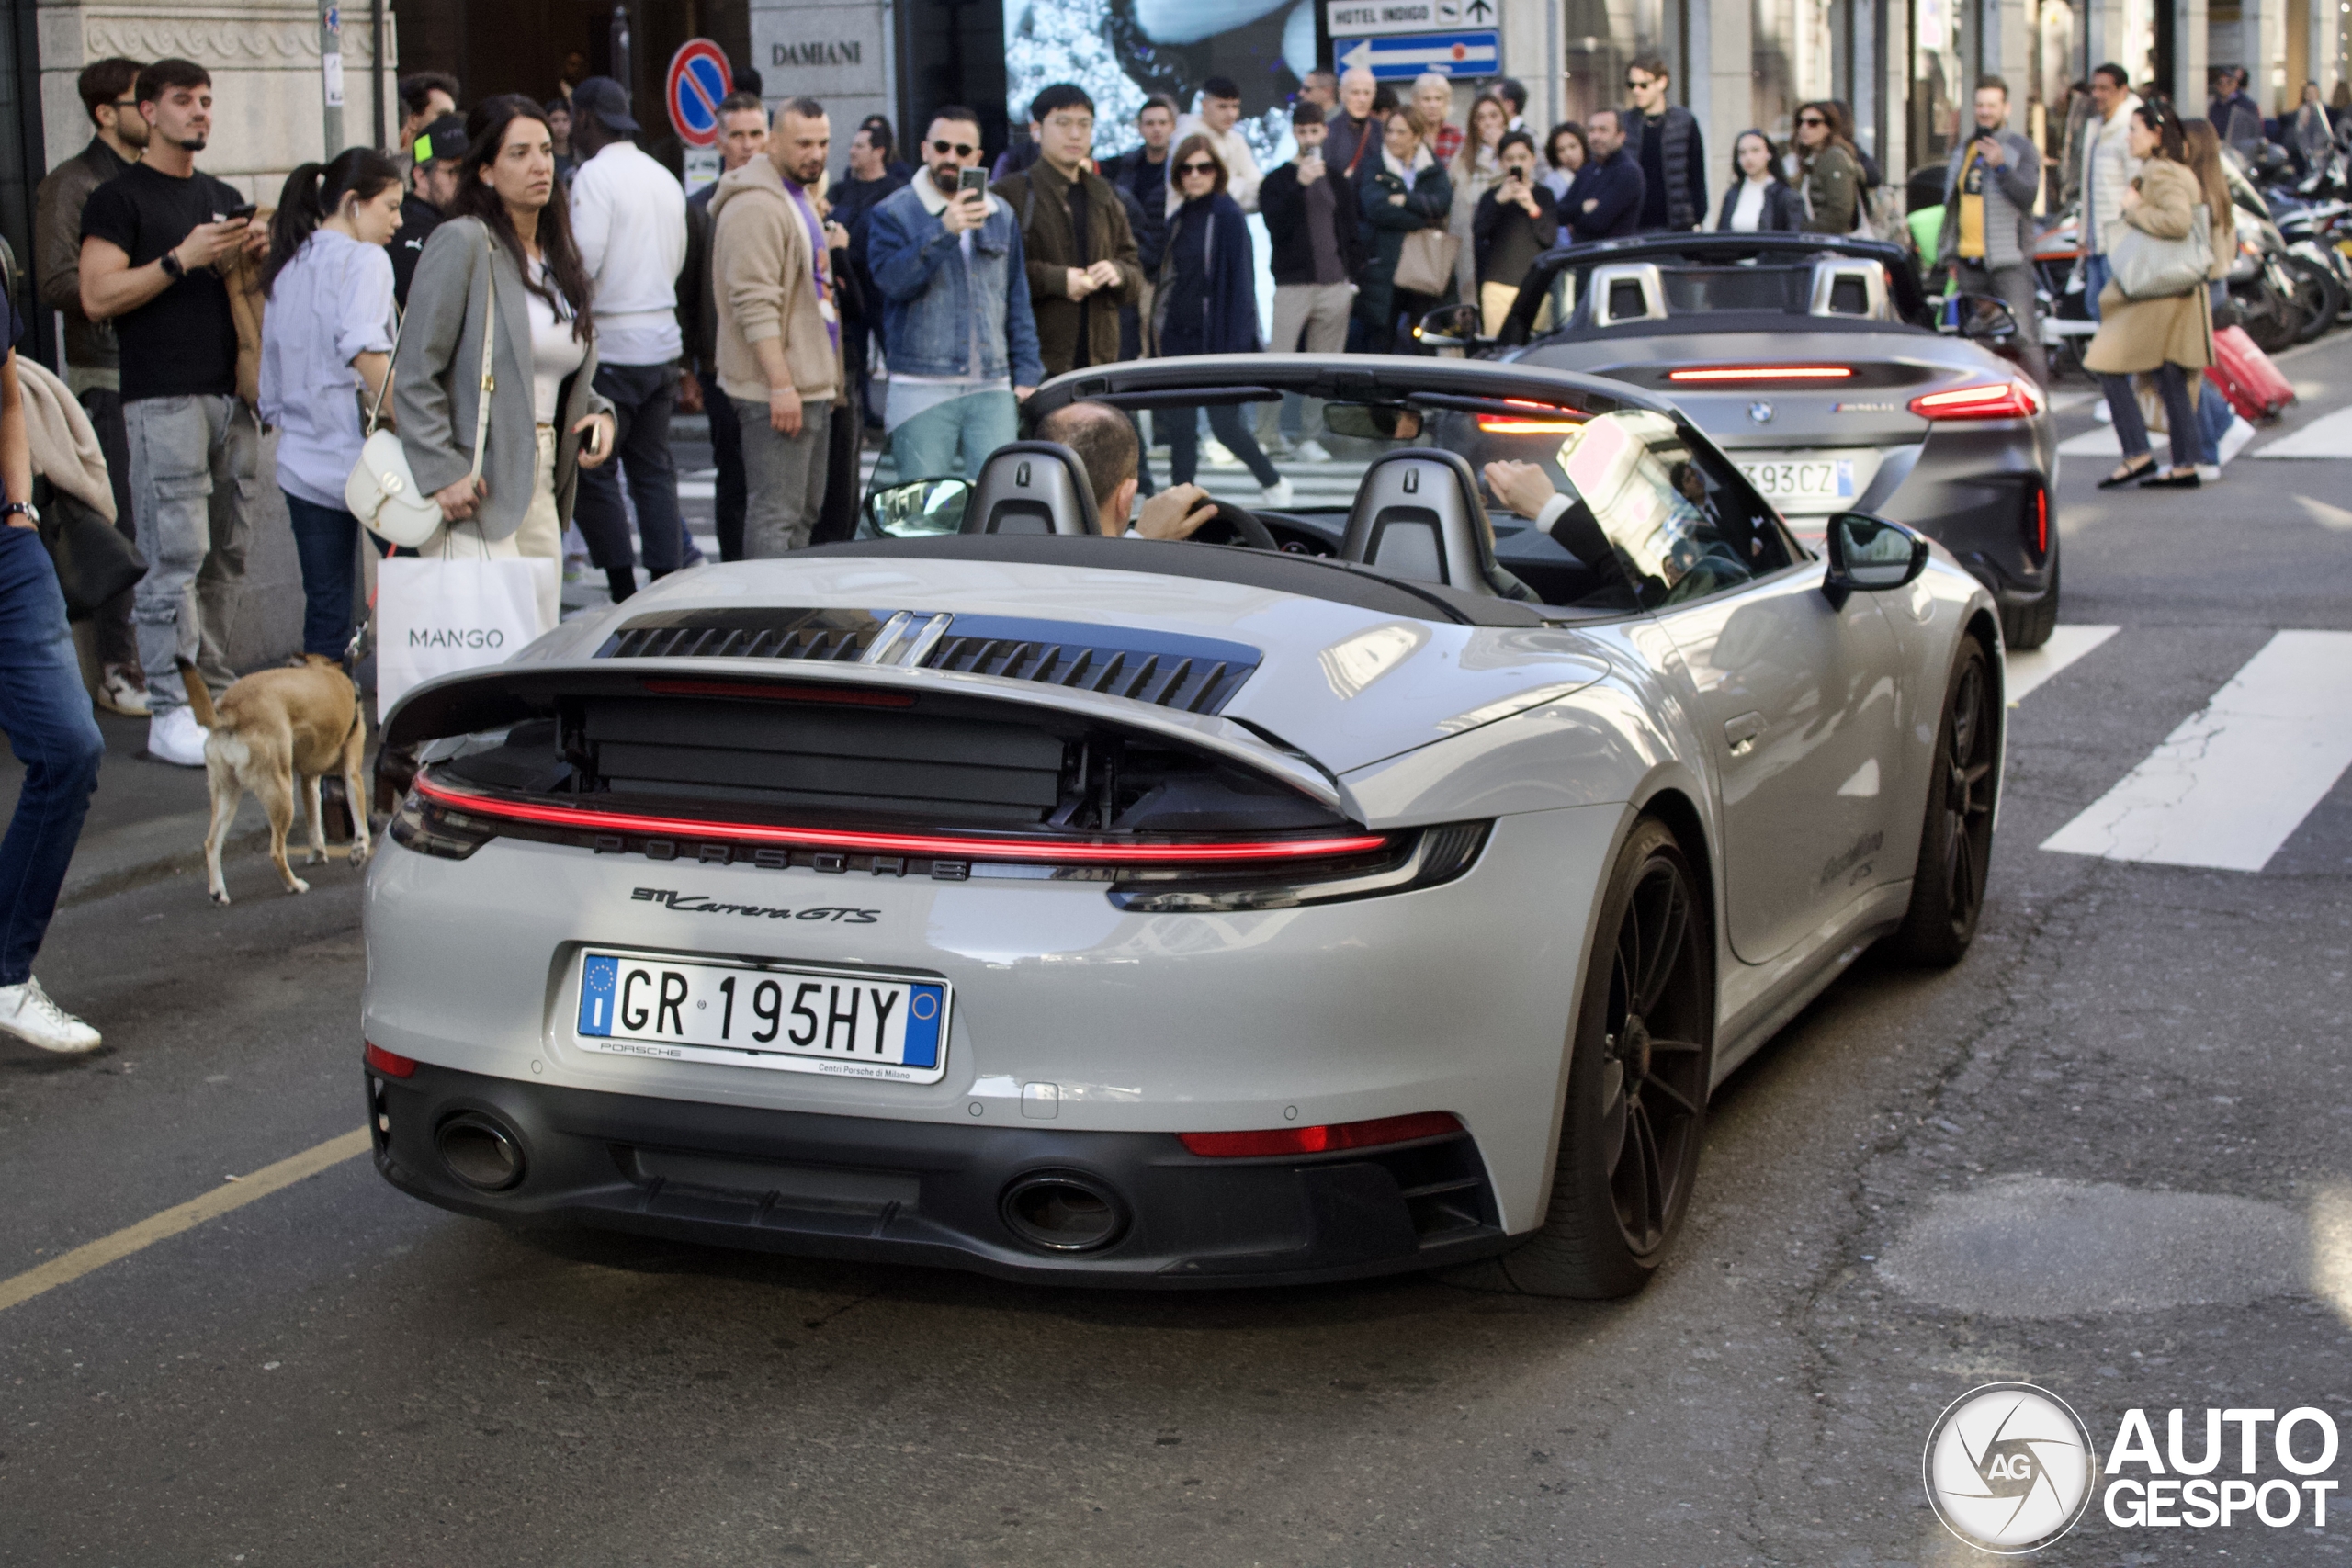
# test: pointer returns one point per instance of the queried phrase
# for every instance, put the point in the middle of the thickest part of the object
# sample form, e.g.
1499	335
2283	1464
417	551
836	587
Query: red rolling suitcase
2247	376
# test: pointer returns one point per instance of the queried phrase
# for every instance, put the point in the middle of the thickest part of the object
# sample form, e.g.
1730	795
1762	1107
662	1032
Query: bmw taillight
1744	373
1992	399
1325	1139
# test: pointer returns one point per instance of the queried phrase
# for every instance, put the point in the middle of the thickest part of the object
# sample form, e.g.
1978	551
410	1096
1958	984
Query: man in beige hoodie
779	333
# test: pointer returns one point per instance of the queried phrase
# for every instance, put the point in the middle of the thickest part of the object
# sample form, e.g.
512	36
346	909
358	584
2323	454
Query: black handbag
94	561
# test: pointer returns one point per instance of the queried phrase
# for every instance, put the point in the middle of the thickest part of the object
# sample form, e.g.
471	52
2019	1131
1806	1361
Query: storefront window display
1121	51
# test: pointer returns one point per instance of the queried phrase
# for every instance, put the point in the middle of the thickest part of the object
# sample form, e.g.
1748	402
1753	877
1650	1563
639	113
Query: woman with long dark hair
1206	302
1758	200
1831	177
1565	151
2201	145
326	345
508	236
2171	335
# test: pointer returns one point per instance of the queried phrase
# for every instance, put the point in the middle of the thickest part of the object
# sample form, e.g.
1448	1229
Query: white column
2189	55
1720	95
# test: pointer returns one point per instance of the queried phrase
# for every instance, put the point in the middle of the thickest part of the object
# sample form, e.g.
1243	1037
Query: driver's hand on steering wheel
1523	487
1175	512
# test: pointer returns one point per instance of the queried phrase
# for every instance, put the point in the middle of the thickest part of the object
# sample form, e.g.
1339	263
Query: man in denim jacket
956	327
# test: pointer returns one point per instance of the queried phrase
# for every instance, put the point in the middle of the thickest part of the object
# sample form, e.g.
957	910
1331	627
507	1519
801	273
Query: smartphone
971	182
243	209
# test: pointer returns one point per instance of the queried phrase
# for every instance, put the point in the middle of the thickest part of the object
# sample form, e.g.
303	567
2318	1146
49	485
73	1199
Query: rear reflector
1324	1139
1764	373
1057	851
2000	399
384	1062
2040	522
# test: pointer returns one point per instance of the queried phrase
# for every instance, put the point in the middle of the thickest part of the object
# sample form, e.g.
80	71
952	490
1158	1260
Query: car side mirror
1870	555
916	509
1454	326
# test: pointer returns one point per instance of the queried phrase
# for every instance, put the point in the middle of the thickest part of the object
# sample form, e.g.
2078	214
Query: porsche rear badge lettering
696	904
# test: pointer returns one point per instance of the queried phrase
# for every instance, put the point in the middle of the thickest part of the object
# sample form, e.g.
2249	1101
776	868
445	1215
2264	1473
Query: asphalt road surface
2111	1154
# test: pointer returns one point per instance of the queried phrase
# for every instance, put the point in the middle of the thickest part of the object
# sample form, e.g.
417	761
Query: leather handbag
94	560
381	491
1426	264
2147	268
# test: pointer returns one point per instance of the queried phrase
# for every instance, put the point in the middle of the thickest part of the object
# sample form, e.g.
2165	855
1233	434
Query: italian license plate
797	1019
1802	479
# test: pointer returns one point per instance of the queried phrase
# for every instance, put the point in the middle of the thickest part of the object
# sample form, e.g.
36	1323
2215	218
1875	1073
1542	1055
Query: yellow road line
72	1265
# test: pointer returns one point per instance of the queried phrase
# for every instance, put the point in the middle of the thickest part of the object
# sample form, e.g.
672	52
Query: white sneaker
1278	495
2209	473
2233	439
118	693
2101	412
174	736
1310	451
27	1012
1214	454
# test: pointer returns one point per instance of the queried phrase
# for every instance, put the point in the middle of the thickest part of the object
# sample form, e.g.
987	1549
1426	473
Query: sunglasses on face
1209	169
1812	119
1637	83
958	149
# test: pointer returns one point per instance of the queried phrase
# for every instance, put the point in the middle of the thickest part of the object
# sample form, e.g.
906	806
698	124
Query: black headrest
1416	514
1031	487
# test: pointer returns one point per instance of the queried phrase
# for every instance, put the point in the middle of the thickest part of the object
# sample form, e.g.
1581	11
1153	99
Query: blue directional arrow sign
1403	57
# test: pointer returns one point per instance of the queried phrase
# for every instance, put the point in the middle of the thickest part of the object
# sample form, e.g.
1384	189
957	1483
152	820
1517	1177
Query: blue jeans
46	715
2095	276
2131	431
326	540
643	396
925	447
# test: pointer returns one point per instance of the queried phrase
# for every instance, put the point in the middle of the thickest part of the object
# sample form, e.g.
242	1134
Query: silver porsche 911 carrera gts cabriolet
1353	888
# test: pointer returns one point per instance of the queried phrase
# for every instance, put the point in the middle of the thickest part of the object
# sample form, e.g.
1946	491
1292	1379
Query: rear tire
1948	884
1641	1054
2029	625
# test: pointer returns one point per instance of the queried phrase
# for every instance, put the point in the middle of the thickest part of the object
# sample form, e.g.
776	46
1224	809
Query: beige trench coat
2141	335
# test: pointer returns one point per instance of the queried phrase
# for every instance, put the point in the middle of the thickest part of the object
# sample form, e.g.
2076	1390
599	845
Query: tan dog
272	727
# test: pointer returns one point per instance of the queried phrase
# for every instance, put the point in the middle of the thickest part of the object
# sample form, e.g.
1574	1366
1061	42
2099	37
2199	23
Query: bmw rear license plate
852	1024
1802	479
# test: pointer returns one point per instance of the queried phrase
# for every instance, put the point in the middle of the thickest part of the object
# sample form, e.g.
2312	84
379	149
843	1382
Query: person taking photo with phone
157	242
1517	221
1317	242
1989	190
956	324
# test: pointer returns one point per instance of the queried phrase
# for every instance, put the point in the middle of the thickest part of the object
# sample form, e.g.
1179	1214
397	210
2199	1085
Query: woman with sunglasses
1831	179
1206	302
2170	336
1759	199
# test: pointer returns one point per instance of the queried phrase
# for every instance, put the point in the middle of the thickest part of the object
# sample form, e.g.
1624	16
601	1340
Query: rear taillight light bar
1325	1139
1764	373
1992	399
1228	854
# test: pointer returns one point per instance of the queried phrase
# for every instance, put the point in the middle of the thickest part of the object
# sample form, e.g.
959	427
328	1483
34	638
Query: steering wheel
1229	525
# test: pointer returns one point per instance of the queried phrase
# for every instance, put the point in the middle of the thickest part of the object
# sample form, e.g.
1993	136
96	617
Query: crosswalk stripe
2330	436
2029	667
2232	783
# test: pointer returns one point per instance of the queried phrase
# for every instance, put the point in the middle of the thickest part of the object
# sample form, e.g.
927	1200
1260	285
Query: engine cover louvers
1168	670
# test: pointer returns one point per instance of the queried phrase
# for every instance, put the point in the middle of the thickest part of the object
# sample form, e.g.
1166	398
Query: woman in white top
546	420
1759	199
1565	151
1477	168
326	343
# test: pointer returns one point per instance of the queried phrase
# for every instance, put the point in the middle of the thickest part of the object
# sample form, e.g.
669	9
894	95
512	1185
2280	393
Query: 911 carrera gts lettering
696	904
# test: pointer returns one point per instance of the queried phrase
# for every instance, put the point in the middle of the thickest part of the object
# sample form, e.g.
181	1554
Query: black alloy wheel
1636	1116
1956	839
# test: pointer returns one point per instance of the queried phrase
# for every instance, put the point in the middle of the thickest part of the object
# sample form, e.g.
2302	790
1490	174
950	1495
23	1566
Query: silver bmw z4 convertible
1381	883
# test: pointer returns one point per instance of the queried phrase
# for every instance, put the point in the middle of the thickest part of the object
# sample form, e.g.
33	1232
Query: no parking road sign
699	78
1402	58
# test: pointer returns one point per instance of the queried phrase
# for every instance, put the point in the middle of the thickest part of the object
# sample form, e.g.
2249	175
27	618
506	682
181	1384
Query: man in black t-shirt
154	242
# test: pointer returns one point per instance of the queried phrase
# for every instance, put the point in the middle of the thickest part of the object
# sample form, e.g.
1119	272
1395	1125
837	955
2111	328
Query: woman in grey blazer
546	420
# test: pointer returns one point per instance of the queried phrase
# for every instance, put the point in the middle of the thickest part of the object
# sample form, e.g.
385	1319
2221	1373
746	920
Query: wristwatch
32	514
172	266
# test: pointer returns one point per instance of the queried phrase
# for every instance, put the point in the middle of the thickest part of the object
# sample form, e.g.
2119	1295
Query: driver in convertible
1106	443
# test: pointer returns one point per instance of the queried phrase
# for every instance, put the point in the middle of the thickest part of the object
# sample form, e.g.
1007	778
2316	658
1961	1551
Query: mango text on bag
456	637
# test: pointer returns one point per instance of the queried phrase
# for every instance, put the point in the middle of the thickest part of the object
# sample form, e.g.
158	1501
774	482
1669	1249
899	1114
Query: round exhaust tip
1062	1210
480	1152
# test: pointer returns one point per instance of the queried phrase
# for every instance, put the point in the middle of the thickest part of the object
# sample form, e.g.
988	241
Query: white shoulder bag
381	491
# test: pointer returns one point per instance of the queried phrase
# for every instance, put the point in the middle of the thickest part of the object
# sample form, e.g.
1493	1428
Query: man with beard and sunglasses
156	241
956	324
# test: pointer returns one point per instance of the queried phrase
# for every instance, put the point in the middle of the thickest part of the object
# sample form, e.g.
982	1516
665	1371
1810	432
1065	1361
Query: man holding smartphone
155	242
1987	239
956	325
1312	219
1516	221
